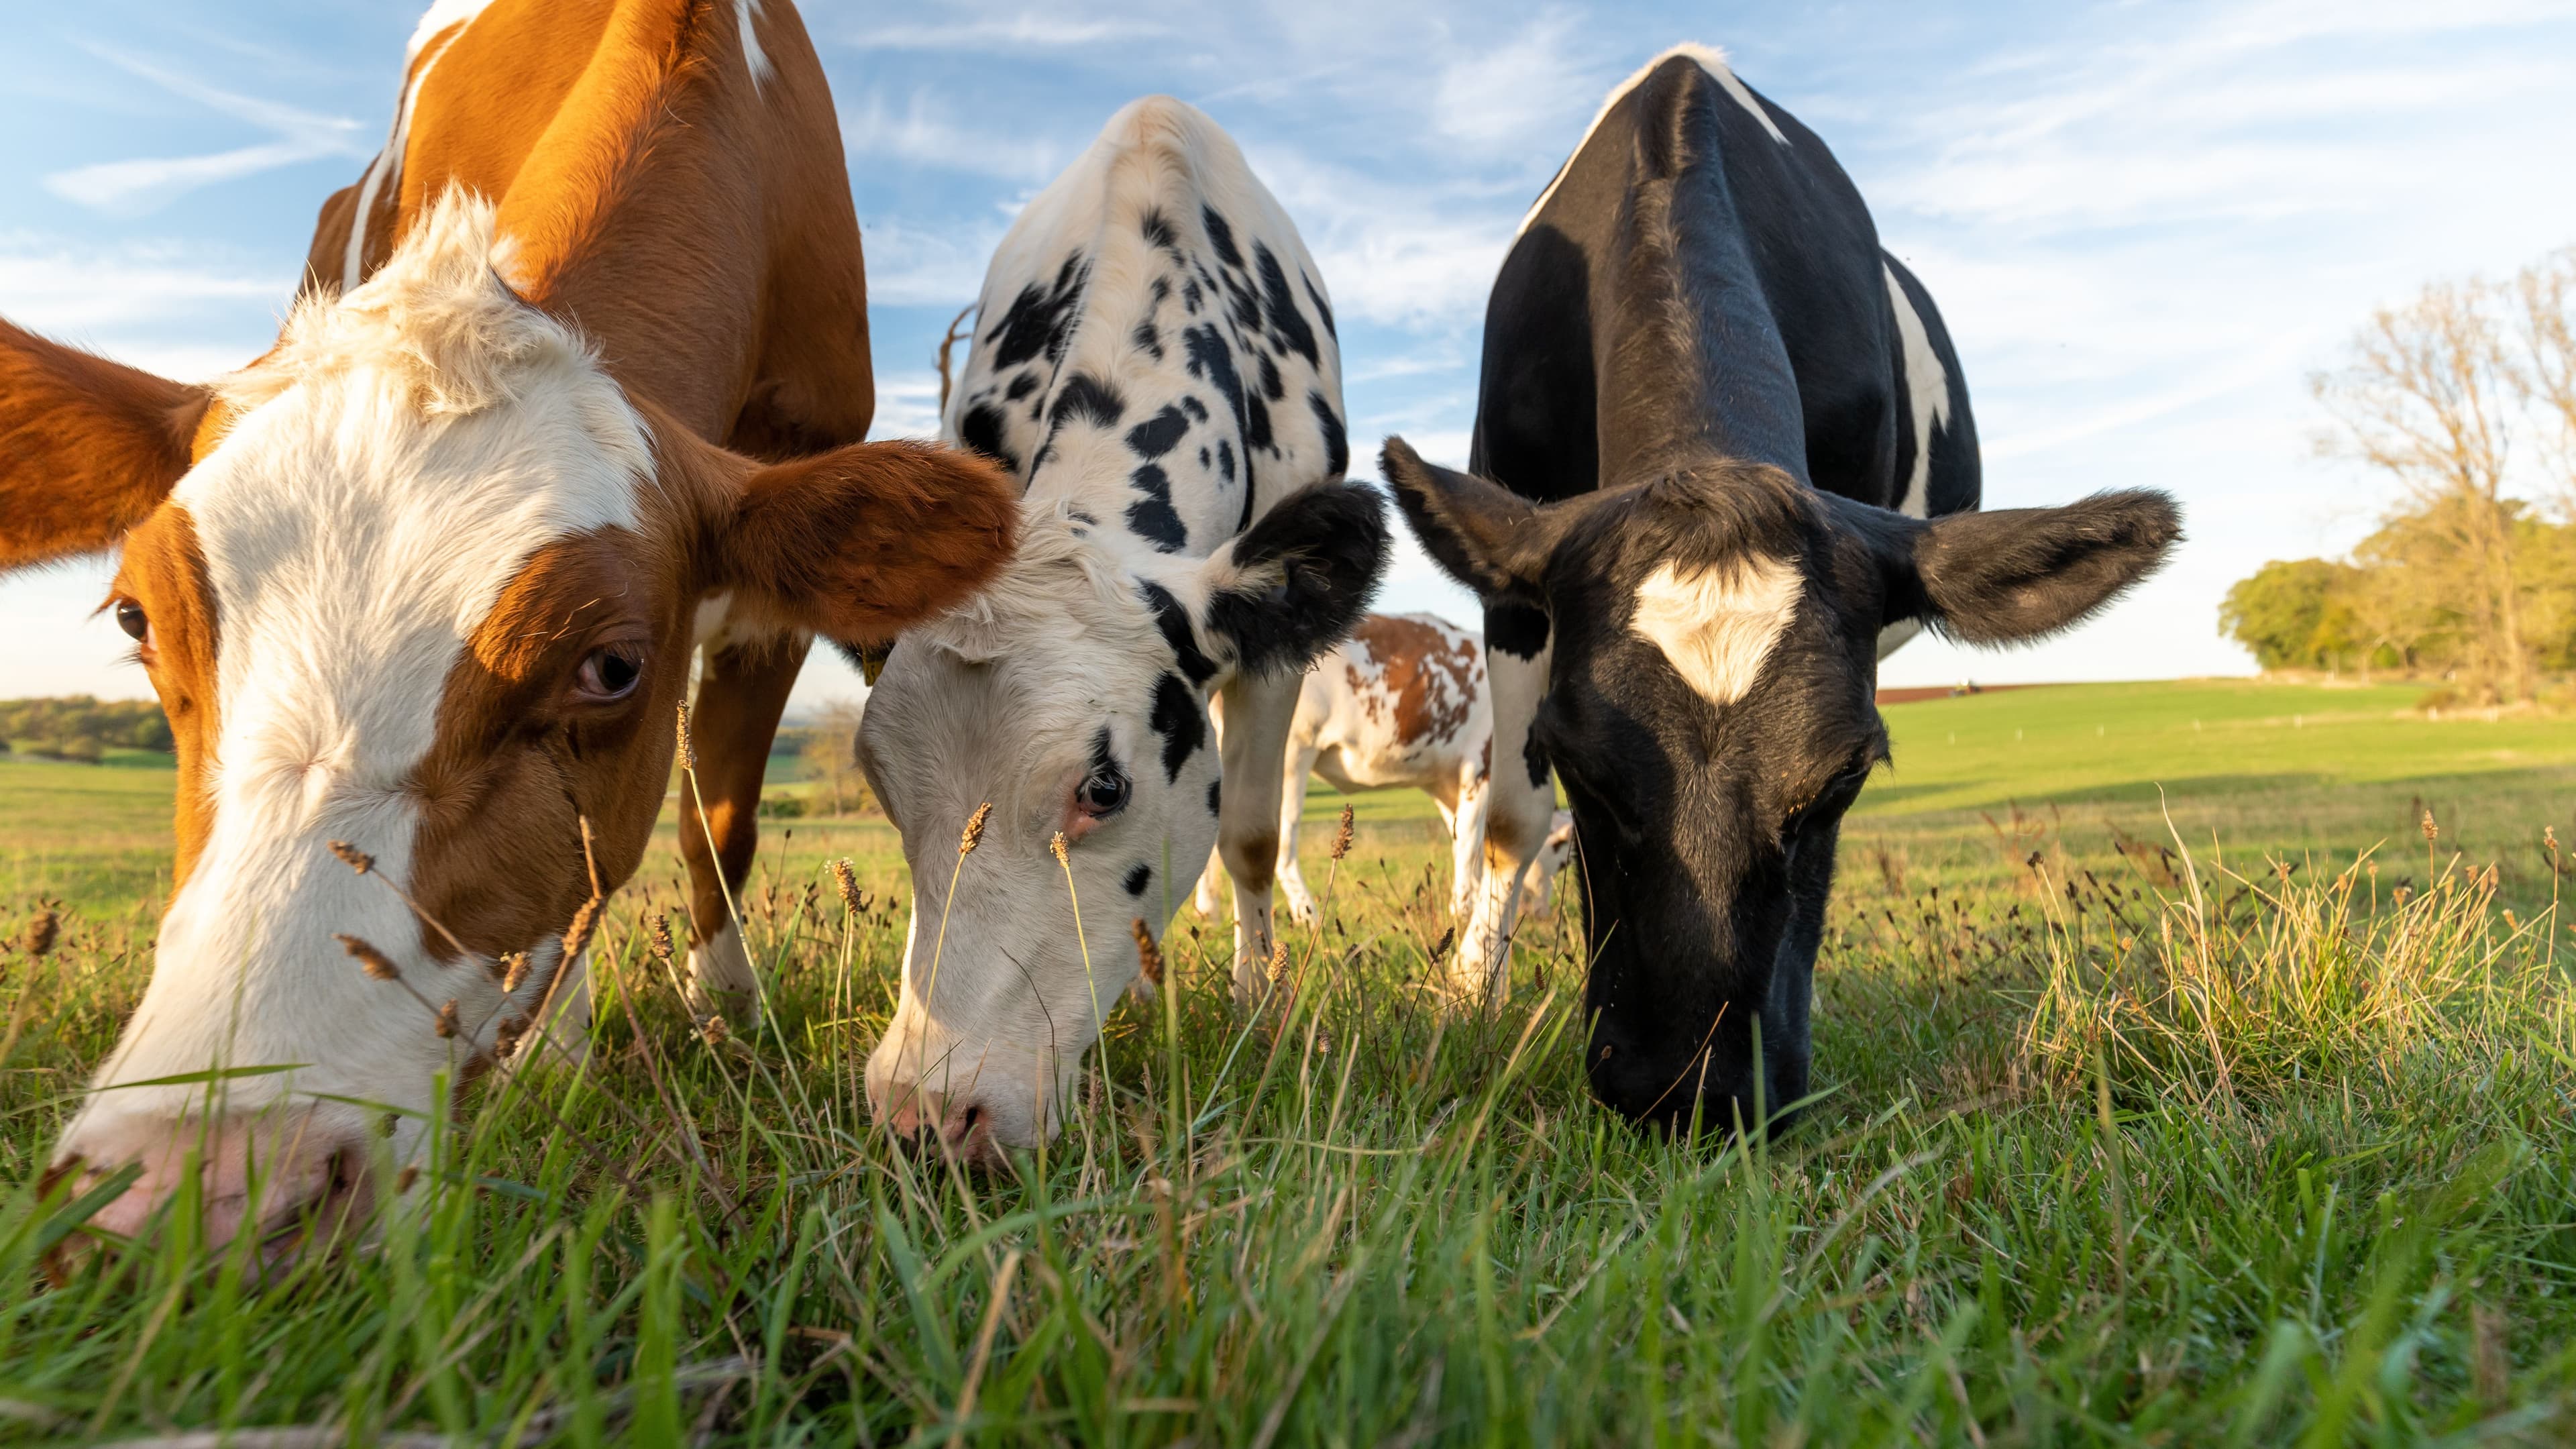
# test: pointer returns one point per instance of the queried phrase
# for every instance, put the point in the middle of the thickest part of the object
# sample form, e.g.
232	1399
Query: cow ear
1484	535
2019	574
857	543
1296	583
88	447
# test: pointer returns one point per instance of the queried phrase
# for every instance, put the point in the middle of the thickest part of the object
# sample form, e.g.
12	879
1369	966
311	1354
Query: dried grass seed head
42	932
974	834
514	970
1057	847
447	1025
352	857
658	932
1149	954
846	881
576	938
1342	837
688	751
377	965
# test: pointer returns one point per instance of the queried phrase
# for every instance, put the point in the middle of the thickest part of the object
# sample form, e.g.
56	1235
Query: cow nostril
966	1124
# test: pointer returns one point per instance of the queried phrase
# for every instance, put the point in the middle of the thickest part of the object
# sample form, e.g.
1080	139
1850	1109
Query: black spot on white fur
1152	517
1177	719
1138	877
1216	794
1039	319
1174	623
1337	443
1086	398
1160	433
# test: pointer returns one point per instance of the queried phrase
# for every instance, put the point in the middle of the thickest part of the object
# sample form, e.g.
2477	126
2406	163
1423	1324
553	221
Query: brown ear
857	543
87	447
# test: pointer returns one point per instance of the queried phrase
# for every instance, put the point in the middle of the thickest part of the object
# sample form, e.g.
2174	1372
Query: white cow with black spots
1154	358
1401	705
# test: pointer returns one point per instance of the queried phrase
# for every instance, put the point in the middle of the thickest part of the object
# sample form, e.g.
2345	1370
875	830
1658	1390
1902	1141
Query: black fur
1691	359
1174	622
1324	549
1216	794
1138	877
1179	720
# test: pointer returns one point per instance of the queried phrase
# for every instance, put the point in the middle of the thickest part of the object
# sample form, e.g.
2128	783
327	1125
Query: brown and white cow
427	577
1403	704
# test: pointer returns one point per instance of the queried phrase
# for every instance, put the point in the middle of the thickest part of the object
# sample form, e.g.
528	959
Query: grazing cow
1154	357
1730	461
426	578
1401	705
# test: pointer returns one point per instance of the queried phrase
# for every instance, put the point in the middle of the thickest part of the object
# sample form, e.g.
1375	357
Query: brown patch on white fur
1431	679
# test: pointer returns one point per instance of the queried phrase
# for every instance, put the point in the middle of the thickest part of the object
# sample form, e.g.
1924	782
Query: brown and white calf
427	576
1403	704
1155	359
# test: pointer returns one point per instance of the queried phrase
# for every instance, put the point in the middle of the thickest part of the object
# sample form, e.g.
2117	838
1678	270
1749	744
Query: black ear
2021	573
1296	583
1486	536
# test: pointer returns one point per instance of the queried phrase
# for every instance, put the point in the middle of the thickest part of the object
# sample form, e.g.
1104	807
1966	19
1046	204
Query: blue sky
2145	223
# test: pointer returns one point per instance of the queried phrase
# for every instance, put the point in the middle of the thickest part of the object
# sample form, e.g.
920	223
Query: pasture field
2174	1088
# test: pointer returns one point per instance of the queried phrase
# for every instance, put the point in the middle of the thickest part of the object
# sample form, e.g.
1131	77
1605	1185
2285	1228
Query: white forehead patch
1718	625
396	461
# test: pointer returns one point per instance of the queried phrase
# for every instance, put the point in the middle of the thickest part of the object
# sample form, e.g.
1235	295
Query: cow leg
1209	895
1466	819
741	692
1520	800
1258	712
1294	775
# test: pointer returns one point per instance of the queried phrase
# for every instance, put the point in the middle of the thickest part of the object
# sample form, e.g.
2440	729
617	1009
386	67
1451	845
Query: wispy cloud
53	287
922	132
1029	30
144	183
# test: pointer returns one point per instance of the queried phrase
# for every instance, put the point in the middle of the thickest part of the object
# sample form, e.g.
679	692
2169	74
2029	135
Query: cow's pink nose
272	1175
963	1127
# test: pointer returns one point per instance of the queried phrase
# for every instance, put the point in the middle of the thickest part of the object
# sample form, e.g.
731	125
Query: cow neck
584	119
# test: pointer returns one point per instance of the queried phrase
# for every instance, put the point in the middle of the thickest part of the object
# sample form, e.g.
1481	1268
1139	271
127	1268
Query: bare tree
2423	396
2543	367
832	760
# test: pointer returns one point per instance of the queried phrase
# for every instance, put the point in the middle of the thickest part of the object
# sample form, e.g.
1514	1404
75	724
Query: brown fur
699	232
88	447
1433	683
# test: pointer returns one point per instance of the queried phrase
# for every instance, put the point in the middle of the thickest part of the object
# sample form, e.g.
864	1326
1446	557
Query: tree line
81	728
2465	398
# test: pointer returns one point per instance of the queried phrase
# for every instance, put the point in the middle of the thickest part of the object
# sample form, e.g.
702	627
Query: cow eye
609	674
1104	791
130	618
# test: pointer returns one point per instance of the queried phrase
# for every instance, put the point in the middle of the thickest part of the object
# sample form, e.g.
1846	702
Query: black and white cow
1155	360
1731	461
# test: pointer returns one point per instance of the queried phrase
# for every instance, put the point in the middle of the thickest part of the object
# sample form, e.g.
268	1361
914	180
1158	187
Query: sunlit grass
2135	1144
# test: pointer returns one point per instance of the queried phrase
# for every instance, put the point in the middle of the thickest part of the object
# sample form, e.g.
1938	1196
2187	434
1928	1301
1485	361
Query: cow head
1072	697
1710	710
422	580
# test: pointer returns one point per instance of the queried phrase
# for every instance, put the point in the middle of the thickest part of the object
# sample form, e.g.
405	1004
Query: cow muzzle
291	1177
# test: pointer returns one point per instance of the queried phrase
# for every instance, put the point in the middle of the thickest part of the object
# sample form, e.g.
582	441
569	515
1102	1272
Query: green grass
2118	1146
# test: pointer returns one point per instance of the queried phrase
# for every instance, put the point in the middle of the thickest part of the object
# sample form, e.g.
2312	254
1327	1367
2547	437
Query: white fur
754	59
395	461
1710	58
1717	625
1927	386
386	169
1519	817
1001	700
